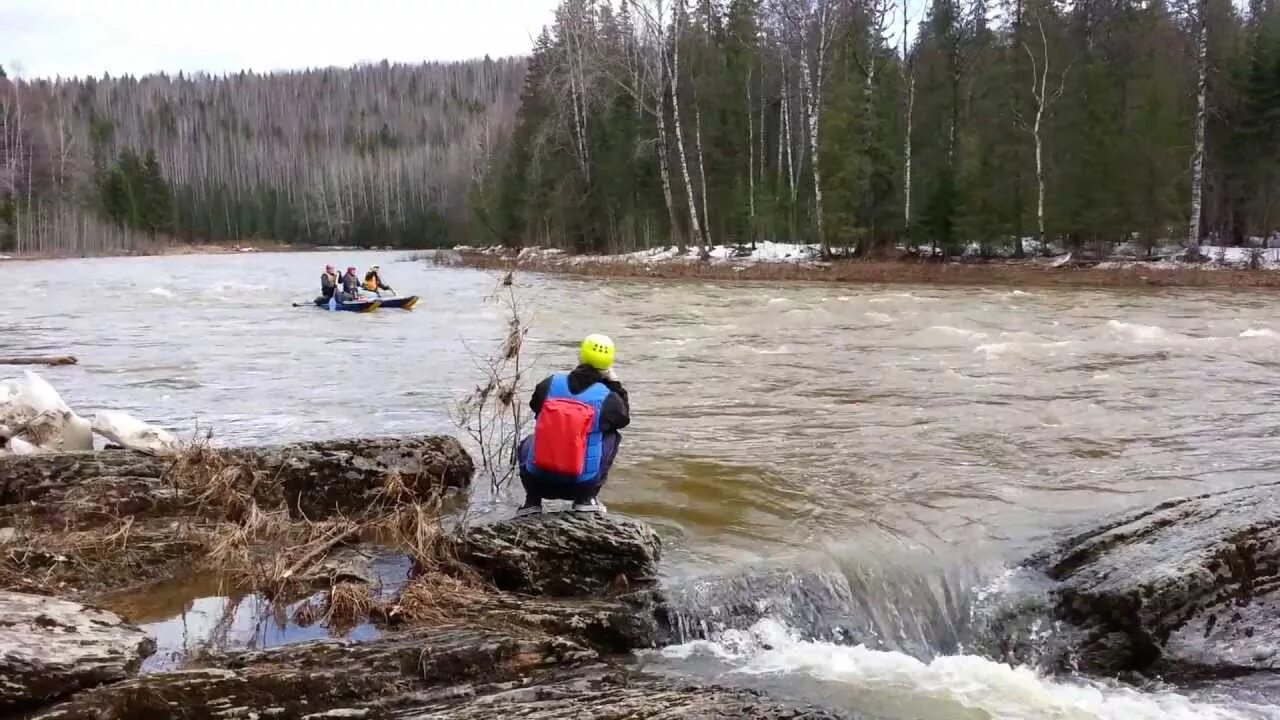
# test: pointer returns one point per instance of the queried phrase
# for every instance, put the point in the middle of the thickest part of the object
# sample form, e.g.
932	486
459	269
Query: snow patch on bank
1125	256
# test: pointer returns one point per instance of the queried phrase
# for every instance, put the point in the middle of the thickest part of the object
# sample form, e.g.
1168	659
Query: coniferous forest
998	123
373	155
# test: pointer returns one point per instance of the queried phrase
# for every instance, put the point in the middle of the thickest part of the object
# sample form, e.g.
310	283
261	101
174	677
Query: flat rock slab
311	479
300	680
603	695
51	648
1192	585
444	673
564	554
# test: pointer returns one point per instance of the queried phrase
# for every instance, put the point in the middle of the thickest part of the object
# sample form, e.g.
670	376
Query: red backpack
560	436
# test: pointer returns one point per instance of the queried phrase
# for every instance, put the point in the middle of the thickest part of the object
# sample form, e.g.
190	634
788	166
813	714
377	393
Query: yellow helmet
597	351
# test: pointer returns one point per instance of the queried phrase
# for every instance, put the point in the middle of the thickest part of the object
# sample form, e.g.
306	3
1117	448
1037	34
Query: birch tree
1201	19
1044	99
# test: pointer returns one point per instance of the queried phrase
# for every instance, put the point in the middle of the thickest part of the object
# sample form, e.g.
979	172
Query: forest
374	155
1000	127
995	126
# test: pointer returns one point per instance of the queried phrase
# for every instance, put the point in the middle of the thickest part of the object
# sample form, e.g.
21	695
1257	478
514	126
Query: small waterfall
816	602
884	599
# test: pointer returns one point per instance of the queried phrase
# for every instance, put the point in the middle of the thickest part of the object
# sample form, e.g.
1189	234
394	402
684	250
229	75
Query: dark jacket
373	281
616	412
351	284
328	283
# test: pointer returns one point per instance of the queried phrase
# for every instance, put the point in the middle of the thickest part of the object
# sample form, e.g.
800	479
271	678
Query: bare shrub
493	414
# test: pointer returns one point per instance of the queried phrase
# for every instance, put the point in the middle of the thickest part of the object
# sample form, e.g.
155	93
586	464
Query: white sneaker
594	506
528	510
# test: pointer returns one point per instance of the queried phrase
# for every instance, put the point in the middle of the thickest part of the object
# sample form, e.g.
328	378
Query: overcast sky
45	38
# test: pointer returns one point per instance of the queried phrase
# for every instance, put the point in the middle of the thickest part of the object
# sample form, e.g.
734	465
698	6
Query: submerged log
52	648
564	554
313	480
1191	587
40	360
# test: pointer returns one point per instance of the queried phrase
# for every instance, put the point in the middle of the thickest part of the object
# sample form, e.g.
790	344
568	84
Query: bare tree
810	21
1197	154
694	224
909	80
1044	100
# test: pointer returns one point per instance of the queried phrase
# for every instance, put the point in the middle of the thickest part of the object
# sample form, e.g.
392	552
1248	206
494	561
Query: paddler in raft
575	436
373	281
328	283
350	286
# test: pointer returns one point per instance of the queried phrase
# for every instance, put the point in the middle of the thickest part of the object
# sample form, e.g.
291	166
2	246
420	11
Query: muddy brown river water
897	432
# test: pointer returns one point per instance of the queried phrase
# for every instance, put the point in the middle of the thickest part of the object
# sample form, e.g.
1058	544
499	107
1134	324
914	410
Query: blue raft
361	306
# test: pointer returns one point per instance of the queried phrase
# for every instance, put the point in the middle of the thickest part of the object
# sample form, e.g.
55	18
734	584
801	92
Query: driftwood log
40	360
314	480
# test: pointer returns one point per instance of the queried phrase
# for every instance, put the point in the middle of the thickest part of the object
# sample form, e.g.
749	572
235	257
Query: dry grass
229	520
437	598
348	605
1010	273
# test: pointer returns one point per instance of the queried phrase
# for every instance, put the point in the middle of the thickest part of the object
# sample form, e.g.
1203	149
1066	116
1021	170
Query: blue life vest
594	396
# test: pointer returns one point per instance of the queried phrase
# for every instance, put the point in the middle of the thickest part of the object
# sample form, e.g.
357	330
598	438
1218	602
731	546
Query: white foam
162	292
1141	333
897	686
878	317
780	350
1258	333
774	301
993	349
947	330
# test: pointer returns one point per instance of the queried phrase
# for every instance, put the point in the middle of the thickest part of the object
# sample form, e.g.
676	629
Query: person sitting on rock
575	436
328	282
373	281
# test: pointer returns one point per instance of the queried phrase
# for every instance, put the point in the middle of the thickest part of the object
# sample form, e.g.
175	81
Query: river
932	434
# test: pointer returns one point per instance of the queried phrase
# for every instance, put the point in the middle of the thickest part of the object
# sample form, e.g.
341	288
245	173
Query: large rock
443	673
1190	586
313	480
609	625
564	554
51	648
299	680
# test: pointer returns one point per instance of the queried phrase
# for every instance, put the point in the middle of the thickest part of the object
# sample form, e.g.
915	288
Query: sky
48	38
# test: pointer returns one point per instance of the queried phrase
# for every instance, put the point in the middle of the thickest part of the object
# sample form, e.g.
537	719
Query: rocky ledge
532	617
51	648
442	673
1188	588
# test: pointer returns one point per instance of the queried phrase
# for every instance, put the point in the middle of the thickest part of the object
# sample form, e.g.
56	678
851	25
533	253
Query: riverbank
1227	268
184	249
547	605
163	249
